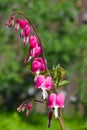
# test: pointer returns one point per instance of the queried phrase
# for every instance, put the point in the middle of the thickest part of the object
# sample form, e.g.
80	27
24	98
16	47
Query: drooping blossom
26	34
25	29
29	107
38	65
20	23
56	101
33	52
21	108
33	41
40	81
10	23
48	83
44	83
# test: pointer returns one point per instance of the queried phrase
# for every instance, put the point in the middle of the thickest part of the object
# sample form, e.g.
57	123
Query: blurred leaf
63	83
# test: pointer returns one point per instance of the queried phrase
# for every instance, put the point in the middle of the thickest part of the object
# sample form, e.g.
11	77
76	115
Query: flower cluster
24	106
25	34
53	99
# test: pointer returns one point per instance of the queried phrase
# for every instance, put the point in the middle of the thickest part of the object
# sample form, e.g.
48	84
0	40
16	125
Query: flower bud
29	107
49	118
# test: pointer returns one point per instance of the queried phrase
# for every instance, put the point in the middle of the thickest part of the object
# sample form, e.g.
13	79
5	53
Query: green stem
60	118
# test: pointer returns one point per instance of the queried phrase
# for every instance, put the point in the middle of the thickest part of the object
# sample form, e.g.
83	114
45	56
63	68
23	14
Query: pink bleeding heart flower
12	20
48	86
44	83
20	23
10	23
51	100
56	101
33	52
40	81
26	32
29	107
38	65
48	83
60	100
33	41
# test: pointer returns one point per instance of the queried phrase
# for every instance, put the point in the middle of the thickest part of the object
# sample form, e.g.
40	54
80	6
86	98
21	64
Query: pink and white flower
44	83
33	52
20	23
38	65
56	101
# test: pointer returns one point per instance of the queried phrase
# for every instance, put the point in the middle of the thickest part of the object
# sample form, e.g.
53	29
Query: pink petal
33	41
60	100
29	106
51	100
48	83
39	81
27	30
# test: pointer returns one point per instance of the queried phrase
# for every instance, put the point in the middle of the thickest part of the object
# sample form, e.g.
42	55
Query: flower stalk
51	97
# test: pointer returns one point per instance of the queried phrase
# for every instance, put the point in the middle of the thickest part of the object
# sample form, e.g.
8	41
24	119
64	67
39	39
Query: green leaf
63	83
60	72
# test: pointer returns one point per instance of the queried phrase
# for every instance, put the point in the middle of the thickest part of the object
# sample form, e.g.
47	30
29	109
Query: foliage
18	122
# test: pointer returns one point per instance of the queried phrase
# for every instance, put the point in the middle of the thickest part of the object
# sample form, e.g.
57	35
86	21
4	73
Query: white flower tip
37	72
45	94
56	112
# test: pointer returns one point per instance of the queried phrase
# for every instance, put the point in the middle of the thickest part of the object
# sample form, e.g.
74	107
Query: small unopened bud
18	109
10	22
27	113
21	108
29	107
49	118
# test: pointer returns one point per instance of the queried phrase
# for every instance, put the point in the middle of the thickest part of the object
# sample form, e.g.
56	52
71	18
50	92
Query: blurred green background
62	26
